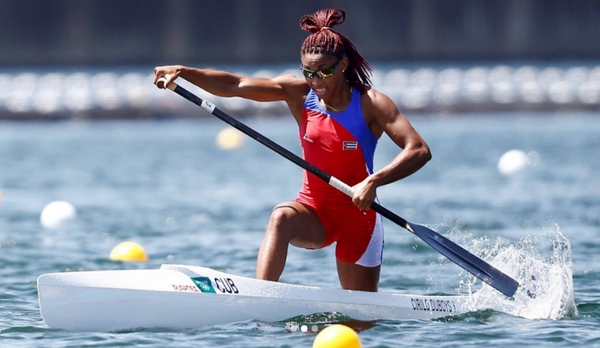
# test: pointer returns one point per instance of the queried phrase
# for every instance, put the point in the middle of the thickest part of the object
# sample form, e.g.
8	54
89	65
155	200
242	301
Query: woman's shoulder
293	85
295	89
374	99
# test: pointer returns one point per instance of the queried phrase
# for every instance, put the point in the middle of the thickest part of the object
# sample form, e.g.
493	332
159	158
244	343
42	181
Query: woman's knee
296	223
283	215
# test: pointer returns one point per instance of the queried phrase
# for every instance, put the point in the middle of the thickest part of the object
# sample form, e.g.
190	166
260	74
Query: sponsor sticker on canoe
185	288
204	284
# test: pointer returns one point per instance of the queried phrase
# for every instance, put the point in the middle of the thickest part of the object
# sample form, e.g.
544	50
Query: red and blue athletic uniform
343	145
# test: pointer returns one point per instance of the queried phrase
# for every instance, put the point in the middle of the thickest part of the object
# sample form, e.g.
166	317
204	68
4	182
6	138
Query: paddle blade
466	260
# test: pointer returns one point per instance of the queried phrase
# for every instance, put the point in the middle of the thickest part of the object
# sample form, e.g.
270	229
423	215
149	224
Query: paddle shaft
443	245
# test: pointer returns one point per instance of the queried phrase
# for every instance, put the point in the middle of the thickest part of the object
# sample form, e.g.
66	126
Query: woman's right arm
225	84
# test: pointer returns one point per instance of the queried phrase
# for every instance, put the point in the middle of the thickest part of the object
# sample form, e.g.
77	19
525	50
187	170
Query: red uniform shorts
358	234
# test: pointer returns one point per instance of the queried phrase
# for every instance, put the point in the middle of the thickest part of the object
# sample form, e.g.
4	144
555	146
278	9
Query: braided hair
326	41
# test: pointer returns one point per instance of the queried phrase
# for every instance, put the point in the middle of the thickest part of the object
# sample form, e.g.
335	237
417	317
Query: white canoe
183	297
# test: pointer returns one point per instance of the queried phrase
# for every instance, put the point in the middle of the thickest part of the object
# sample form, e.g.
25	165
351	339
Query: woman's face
323	72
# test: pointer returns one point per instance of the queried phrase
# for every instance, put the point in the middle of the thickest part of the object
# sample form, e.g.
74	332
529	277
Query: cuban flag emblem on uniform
350	145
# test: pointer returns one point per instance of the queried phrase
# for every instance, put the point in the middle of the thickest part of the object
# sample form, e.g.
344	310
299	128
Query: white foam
546	278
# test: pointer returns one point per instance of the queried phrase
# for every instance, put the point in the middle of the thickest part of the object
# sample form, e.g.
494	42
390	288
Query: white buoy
512	162
229	139
57	214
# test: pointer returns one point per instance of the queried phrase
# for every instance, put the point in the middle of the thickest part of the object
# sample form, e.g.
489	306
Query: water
167	186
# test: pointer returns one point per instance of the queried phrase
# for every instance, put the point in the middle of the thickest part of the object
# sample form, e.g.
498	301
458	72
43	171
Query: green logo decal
204	284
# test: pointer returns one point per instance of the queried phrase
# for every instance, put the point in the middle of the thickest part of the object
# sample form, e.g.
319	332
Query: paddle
443	245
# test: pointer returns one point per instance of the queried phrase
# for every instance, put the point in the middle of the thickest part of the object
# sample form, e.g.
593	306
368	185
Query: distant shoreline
128	93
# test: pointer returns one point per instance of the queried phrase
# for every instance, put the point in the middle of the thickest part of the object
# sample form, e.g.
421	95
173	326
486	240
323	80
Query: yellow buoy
127	252
337	336
229	139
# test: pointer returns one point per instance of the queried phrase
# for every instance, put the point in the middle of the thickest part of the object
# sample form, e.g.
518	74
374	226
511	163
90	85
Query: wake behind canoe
184	297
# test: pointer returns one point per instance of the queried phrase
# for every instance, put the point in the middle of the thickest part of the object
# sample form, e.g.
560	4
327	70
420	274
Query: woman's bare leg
357	277
290	223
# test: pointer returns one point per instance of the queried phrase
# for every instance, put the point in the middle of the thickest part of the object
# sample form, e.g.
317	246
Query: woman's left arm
383	116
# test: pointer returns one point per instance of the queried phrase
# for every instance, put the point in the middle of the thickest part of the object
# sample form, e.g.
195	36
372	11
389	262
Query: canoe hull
183	297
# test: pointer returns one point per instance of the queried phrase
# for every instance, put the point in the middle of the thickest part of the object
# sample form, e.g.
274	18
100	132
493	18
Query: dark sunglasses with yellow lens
323	73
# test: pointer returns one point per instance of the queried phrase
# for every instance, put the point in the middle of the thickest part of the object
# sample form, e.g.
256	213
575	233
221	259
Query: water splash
541	264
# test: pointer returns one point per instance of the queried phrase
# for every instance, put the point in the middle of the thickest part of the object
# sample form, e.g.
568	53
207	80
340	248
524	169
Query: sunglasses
323	73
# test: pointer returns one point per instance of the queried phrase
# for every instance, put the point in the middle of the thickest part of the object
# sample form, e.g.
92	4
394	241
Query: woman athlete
340	118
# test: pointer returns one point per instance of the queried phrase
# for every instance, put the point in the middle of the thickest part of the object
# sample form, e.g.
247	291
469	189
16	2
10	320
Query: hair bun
322	19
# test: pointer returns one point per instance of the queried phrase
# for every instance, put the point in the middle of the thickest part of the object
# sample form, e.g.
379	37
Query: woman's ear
344	64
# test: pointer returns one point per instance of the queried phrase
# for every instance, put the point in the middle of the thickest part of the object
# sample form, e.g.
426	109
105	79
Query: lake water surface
167	186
